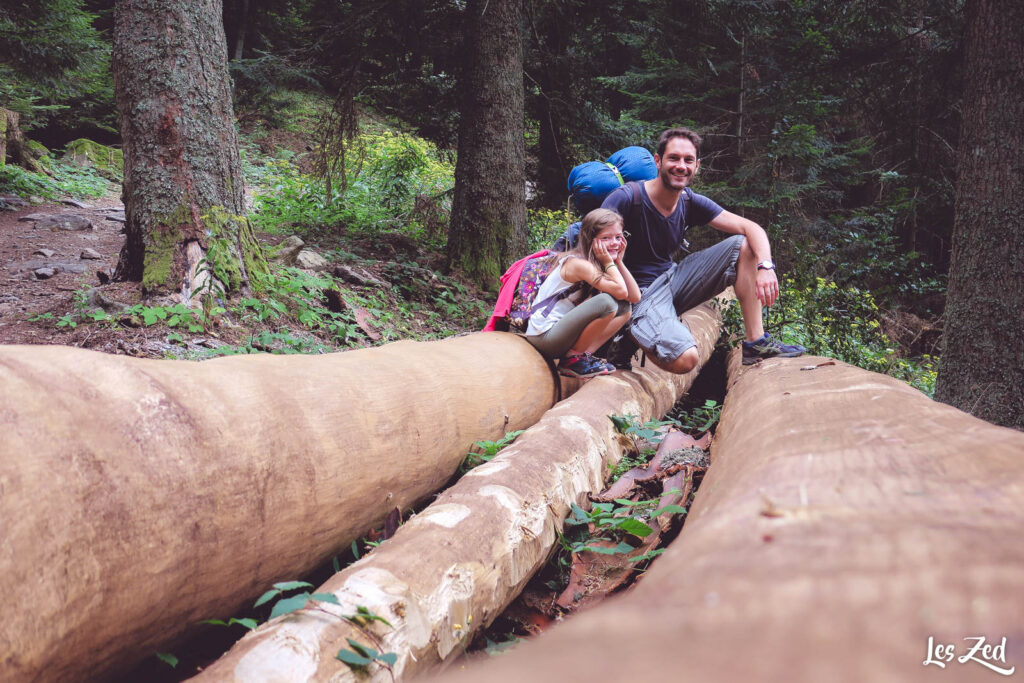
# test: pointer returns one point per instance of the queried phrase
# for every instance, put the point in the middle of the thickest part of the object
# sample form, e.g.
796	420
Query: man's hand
767	286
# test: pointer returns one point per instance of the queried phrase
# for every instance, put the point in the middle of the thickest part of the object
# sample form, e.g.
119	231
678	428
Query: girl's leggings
554	342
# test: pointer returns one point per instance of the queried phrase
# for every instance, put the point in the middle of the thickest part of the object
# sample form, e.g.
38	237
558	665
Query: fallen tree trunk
450	570
846	523
138	497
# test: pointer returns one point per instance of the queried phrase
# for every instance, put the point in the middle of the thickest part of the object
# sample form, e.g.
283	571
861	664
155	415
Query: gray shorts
656	326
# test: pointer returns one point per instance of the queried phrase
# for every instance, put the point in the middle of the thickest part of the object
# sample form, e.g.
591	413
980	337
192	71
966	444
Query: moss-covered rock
36	149
108	161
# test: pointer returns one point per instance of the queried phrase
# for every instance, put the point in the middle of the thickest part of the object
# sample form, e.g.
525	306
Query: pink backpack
519	287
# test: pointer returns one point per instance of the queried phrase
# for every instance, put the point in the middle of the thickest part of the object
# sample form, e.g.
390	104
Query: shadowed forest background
417	148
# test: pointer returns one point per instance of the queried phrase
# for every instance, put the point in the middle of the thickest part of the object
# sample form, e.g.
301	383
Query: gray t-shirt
653	237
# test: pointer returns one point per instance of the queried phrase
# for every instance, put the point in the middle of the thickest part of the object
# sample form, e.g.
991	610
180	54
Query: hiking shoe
766	347
583	365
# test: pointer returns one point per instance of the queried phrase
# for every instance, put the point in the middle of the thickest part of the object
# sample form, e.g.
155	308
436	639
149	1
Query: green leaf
362	649
325	597
635	527
649	556
388	658
579	515
352	658
292	585
355	550
620	549
362	613
167	658
214	622
289	605
266	597
673	509
248	623
621	422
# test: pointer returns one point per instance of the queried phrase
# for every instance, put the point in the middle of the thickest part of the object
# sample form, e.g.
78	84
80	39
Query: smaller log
449	571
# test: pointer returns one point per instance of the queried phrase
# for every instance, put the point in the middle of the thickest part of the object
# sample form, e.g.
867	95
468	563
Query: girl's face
611	238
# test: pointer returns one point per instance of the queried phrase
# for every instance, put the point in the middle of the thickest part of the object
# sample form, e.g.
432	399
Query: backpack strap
547	304
635	210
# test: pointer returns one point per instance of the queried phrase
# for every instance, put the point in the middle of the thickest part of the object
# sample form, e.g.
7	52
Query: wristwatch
767	264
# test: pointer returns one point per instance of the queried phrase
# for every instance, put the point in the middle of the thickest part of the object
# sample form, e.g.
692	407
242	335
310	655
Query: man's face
678	165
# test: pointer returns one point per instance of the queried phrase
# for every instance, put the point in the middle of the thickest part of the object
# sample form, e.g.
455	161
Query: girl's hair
593	223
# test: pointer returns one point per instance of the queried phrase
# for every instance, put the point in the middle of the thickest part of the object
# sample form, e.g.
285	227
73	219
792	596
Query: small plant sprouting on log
168	659
646	438
701	418
294	602
358	656
648	431
246	622
614	522
484	451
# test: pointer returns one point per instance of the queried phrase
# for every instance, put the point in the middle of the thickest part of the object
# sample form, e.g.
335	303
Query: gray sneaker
766	347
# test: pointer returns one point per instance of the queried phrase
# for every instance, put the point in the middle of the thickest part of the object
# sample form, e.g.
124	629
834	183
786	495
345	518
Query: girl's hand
601	252
622	252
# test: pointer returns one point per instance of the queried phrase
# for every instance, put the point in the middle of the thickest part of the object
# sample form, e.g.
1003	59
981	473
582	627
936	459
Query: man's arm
766	282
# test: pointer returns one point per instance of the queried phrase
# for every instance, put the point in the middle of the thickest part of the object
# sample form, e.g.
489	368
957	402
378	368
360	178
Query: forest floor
56	260
66	260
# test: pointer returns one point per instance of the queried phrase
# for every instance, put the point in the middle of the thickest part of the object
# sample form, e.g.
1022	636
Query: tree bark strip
452	569
139	497
981	368
844	521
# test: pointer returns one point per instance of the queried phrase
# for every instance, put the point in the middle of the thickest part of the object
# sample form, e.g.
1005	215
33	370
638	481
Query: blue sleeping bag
634	163
592	181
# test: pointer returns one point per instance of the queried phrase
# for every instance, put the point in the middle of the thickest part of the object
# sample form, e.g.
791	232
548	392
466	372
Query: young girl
579	324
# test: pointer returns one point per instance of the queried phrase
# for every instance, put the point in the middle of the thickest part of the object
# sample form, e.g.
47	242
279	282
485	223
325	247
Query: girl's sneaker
583	365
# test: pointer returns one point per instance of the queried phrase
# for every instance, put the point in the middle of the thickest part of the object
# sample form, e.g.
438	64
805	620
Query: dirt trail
31	249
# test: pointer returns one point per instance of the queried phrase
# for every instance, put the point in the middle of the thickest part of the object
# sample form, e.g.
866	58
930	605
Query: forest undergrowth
380	228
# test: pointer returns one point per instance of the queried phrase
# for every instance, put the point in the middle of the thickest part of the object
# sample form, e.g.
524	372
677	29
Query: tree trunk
182	179
488	218
845	521
453	568
554	85
139	497
243	25
982	365
12	142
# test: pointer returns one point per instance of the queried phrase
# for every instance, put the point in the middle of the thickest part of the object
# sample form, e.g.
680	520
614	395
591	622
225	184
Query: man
656	225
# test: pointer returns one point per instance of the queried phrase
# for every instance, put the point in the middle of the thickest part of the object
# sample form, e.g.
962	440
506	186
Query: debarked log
138	497
846	525
451	569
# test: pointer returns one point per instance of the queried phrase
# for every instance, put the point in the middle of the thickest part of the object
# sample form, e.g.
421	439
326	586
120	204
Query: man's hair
678	133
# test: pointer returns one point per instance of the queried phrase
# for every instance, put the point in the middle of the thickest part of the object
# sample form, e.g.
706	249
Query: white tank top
552	285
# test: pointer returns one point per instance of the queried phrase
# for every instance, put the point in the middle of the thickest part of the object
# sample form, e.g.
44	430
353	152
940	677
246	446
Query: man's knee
746	252
683	364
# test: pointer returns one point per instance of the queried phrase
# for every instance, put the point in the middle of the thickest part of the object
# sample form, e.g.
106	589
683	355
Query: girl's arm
632	287
610	280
